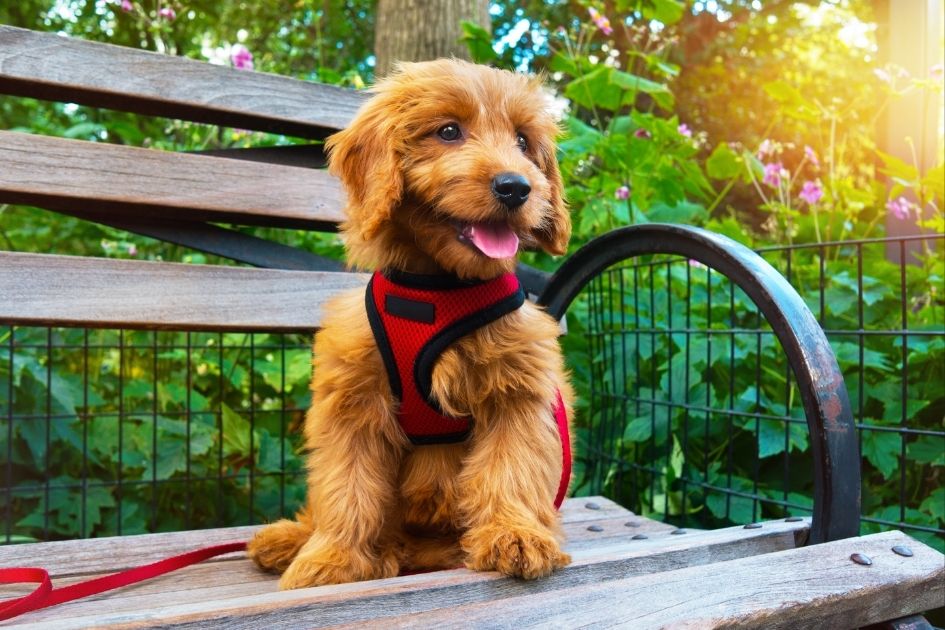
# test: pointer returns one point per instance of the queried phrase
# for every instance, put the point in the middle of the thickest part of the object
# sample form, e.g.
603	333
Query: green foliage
479	42
159	454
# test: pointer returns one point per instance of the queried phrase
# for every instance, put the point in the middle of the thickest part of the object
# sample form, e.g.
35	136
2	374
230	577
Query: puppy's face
451	166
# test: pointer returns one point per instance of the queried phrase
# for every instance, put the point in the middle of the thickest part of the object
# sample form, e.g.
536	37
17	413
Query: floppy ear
362	156
555	229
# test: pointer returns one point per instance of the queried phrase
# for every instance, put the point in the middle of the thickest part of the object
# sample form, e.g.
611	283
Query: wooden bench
627	570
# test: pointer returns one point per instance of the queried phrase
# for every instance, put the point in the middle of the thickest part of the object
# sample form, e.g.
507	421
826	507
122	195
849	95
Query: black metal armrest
834	443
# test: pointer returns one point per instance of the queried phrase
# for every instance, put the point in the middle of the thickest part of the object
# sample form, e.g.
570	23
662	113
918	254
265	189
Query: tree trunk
418	30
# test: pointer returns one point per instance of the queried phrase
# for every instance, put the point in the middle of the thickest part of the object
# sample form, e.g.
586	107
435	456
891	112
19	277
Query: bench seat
626	570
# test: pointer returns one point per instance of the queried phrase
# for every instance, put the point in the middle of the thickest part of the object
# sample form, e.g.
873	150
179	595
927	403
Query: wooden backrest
171	196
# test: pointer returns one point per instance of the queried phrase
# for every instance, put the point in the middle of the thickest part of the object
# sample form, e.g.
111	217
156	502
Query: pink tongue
495	240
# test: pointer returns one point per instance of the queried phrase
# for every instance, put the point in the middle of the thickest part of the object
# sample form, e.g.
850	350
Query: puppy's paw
518	552
275	546
318	564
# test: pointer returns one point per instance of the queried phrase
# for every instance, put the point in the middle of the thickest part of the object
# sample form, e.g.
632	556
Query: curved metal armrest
833	439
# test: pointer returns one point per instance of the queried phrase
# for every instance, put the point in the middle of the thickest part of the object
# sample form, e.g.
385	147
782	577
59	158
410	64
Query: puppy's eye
450	132
521	142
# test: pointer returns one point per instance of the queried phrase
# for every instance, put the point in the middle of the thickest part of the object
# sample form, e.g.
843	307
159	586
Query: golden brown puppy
449	169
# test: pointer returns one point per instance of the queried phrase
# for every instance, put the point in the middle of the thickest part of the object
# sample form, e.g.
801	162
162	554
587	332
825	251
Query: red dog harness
414	319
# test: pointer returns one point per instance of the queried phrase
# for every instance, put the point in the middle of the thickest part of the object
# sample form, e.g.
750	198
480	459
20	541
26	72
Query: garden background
772	122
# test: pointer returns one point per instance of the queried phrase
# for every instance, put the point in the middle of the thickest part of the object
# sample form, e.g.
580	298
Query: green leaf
771	436
793	103
848	355
269	454
633	84
935	504
478	41
682	212
84	130
882	449
595	90
934	184
723	163
560	62
927	449
897	168
236	430
611	89
676	460
666	11
580	138
639	429
737	509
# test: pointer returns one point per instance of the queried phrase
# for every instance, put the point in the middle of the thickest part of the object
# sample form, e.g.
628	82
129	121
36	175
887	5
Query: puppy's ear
555	229
363	157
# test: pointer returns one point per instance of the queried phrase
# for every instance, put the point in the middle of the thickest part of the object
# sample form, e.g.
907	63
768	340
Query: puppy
438	426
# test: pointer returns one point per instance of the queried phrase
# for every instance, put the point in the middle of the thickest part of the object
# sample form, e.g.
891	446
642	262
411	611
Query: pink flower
132	250
601	21
811	156
168	14
773	173
684	130
642	133
622	193
696	264
241	58
126	6
899	208
811	192
766	148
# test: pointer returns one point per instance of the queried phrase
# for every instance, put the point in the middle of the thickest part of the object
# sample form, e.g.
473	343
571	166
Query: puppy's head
451	166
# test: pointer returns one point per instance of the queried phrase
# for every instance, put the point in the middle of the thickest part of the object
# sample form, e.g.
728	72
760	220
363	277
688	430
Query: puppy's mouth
495	239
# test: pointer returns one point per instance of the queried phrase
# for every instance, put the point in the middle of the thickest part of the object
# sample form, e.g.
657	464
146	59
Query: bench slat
812	587
40	289
50	67
72	174
75	557
243	597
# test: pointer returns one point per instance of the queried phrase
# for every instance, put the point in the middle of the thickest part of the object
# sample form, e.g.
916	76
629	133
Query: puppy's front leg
508	491
351	491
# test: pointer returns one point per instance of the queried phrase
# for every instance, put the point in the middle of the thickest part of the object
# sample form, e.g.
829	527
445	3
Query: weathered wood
44	290
812	587
93	177
89	556
47	66
234	595
114	553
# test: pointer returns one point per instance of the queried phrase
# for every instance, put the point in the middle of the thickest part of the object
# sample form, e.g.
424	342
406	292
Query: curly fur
376	504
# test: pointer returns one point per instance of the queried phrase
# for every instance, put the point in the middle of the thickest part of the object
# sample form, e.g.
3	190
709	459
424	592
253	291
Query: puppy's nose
511	189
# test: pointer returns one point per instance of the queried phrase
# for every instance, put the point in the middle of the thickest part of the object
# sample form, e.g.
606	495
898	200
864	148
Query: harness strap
561	417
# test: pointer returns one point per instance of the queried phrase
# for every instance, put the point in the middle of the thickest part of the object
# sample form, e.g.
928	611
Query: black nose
511	189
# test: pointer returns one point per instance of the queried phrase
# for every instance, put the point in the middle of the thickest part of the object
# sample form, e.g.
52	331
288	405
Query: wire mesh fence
119	432
691	413
688	410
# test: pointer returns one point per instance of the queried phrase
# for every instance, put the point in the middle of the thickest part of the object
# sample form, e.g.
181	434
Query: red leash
45	595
